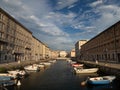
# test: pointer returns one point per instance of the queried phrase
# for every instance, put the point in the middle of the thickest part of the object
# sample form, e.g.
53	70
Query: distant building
63	54
72	54
78	47
54	54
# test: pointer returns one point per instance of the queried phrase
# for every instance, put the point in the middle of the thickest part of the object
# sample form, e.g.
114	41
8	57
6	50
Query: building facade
63	54
54	54
37	49
72	54
78	48
104	47
15	39
17	43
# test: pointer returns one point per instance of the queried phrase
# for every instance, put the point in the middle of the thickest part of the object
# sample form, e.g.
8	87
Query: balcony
27	48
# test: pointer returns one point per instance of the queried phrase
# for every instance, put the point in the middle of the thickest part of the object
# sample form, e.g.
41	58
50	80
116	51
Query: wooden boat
90	70
100	80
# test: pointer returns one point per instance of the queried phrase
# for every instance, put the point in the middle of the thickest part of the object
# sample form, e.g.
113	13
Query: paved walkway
18	64
111	65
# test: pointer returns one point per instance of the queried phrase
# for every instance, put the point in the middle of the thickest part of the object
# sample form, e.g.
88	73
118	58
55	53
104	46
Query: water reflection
100	87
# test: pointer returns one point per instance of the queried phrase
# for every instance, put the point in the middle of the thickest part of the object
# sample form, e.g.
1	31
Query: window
1	26
0	16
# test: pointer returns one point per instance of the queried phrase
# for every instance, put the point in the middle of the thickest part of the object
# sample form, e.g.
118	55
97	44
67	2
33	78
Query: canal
60	76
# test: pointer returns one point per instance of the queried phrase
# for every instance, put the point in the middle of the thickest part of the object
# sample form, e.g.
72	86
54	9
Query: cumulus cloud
109	14
48	22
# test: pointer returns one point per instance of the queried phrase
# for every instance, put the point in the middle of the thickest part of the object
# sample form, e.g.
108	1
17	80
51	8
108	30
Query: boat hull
93	70
101	80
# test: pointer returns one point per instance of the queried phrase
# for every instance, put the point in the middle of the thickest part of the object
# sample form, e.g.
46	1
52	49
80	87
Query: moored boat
6	81
46	63
15	72
32	68
100	80
77	65
81	70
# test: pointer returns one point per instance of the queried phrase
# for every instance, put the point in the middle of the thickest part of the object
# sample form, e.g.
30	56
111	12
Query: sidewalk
19	64
111	65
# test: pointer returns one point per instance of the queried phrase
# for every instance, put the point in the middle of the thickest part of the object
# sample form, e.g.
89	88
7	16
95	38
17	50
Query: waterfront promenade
19	64
110	65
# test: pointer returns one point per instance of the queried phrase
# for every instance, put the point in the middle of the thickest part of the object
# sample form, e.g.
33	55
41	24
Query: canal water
60	76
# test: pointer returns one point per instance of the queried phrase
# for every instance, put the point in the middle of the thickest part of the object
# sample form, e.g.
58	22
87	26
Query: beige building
15	39
17	43
72	53
104	47
54	54
63	54
78	48
37	49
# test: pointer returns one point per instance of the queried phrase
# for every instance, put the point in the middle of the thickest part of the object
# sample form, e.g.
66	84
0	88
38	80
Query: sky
61	23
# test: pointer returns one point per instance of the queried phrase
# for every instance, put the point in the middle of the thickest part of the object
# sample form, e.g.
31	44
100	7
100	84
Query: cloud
109	14
97	19
98	2
64	3
48	23
71	6
62	43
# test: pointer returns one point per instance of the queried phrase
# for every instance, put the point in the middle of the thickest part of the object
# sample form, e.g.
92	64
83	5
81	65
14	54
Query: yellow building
104	47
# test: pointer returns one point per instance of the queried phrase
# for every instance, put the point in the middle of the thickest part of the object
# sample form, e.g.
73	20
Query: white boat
32	68
90	70
69	61
41	65
100	80
73	62
46	63
15	72
52	61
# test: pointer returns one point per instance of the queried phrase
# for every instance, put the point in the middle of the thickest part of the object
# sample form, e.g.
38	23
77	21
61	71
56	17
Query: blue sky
61	23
